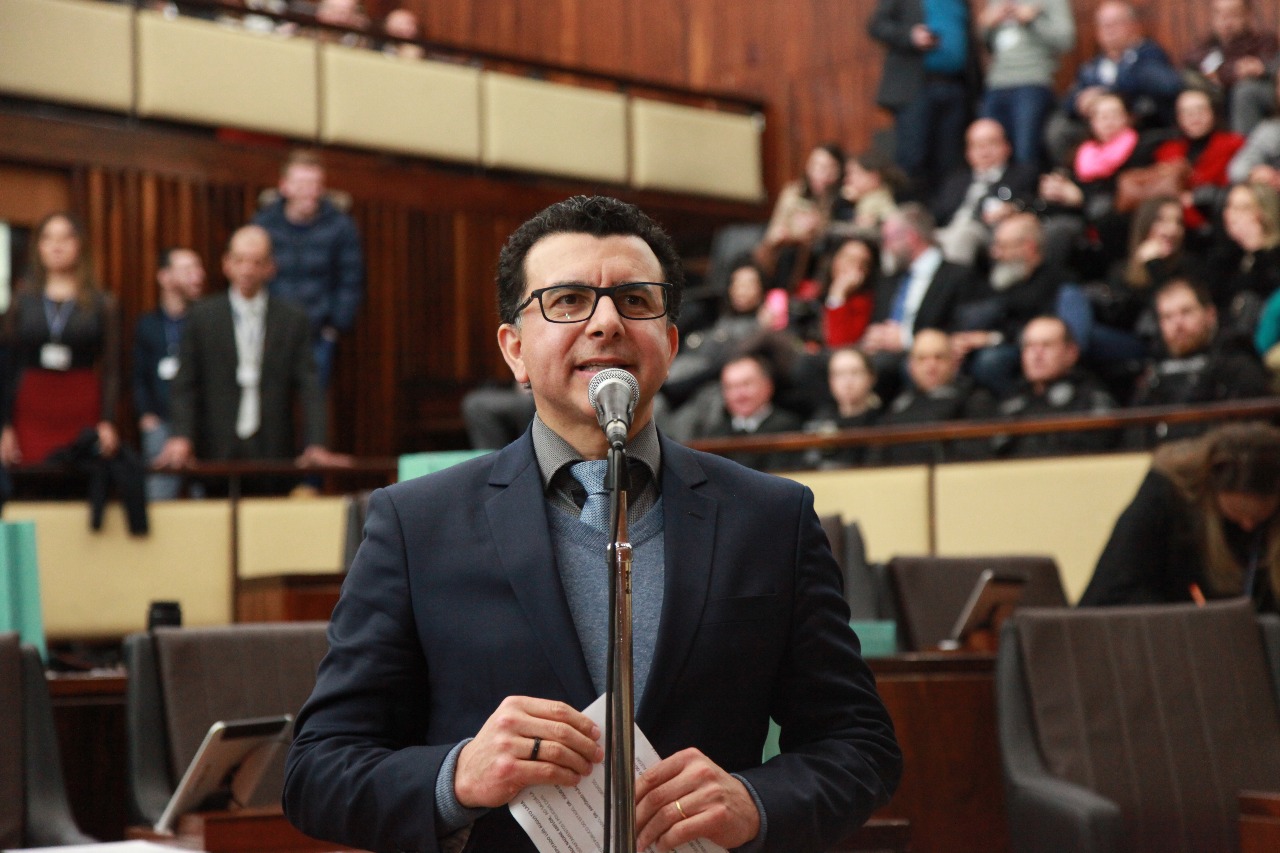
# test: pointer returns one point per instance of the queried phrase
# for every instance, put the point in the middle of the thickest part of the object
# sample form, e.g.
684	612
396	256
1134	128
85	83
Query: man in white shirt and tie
245	359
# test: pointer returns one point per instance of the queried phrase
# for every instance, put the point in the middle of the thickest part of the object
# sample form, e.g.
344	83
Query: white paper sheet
571	819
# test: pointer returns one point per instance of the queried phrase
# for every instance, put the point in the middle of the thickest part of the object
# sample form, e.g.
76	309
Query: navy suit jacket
454	602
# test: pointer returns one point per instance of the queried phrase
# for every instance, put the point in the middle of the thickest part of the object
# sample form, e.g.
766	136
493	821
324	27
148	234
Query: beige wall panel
205	73
101	583
1063	507
68	51
536	126
890	504
287	536
431	109
690	150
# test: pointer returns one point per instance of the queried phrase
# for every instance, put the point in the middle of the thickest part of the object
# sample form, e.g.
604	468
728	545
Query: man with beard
919	290
1020	286
1201	365
1053	385
937	393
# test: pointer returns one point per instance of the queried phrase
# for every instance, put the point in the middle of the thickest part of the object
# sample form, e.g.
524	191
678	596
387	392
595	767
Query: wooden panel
89	717
28	194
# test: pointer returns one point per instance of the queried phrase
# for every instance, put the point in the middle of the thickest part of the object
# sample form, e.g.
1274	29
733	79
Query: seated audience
800	216
851	382
1201	152
1232	61
156	340
1200	364
747	386
867	194
849	286
1053	384
1204	524
937	393
347	14
1127	64
1246	262
974	199
919	290
990	318
1258	161
1024	40
62	337
243	407
1081	204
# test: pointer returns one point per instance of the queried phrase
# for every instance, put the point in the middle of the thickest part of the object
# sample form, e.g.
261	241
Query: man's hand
1247	67
316	456
501	761
108	439
885	336
923	38
176	453
963	343
687	796
10	454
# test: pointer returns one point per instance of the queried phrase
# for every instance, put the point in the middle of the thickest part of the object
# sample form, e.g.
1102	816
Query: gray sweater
1028	55
1262	148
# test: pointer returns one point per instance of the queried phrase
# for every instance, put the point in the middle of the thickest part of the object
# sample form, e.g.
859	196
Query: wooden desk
952	791
88	714
1259	822
288	598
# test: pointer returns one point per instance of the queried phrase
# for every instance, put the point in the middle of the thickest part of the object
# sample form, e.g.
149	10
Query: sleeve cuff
450	814
756	844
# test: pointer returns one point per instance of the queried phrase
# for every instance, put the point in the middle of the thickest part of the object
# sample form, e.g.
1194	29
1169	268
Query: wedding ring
537	745
680	809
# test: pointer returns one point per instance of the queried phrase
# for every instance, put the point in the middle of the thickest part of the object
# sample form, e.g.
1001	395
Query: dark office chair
183	680
1134	729
930	592
34	811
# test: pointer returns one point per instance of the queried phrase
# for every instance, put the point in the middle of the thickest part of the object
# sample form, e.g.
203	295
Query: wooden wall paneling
27	193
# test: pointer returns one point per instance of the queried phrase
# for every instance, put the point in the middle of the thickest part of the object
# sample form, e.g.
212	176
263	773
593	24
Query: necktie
595	512
899	308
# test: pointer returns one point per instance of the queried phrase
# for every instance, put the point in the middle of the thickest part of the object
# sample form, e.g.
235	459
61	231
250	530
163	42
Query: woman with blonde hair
62	333
1204	524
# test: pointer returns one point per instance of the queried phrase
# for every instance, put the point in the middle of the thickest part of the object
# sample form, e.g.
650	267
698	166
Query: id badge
167	368
55	357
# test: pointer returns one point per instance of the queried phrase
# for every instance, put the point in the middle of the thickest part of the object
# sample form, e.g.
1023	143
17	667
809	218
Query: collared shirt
556	456
250	318
751	423
919	277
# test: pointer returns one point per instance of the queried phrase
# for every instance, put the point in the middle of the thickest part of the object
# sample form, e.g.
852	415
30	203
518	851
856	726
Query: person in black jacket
1204	524
1053	385
155	357
319	263
1201	364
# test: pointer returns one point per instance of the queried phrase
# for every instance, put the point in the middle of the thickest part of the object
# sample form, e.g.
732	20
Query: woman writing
1204	524
62	333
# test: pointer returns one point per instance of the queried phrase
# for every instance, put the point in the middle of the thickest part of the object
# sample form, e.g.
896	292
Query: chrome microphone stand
620	761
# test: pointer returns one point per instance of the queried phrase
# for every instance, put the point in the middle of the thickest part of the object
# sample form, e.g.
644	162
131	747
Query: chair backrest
1168	712
833	526
930	592
182	680
34	811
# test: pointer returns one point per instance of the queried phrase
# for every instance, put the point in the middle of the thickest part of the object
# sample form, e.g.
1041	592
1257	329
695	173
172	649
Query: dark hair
1244	457
165	257
37	275
826	264
835	151
1197	288
598	216
859	352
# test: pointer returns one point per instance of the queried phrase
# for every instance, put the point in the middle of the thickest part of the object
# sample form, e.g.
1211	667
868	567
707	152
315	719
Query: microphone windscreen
615	374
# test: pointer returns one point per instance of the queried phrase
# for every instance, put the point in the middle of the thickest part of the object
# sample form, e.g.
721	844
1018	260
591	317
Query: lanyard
56	314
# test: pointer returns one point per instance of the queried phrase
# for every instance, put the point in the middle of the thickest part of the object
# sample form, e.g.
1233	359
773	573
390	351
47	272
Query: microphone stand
619	729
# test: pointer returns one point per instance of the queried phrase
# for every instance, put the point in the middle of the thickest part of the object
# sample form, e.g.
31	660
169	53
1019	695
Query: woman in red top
62	333
1206	150
850	290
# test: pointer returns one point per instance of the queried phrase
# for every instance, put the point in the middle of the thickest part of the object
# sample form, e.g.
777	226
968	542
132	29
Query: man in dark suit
920	290
930	81
244	361
471	629
747	386
978	196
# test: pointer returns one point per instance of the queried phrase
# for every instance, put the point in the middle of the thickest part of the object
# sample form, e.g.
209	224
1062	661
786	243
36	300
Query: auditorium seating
1135	729
34	811
182	680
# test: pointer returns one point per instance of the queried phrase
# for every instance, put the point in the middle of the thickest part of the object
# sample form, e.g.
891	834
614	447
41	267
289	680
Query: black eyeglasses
575	303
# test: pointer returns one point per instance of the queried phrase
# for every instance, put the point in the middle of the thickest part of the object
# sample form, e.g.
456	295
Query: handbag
1136	185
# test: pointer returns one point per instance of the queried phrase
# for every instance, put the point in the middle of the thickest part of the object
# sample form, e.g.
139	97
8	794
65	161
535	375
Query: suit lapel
517	515
689	519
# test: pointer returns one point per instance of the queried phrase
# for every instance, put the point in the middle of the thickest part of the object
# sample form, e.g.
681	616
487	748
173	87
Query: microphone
613	393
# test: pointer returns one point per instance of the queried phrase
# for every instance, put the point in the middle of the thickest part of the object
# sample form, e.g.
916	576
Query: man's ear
511	345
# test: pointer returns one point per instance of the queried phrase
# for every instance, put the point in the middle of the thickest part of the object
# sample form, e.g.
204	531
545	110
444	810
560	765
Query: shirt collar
255	307
554	453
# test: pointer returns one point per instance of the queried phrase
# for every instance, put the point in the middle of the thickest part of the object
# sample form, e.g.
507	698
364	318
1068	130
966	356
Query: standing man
245	362
472	628
155	358
319	264
930	81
